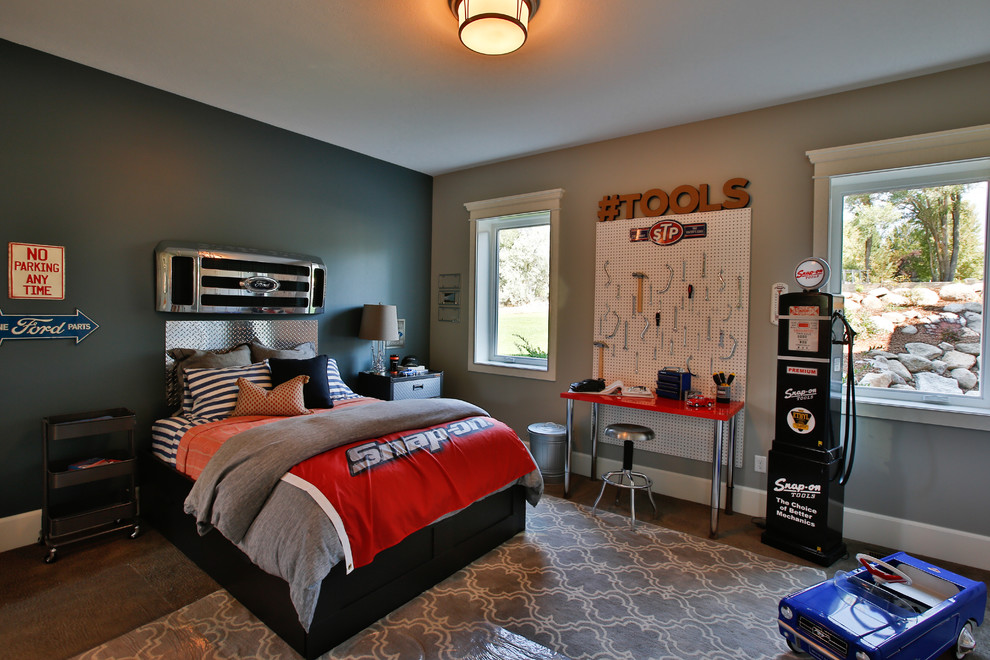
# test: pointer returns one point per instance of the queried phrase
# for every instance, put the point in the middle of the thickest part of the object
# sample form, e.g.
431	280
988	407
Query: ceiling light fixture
493	27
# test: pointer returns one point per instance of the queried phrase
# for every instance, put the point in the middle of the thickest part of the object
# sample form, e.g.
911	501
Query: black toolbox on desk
673	383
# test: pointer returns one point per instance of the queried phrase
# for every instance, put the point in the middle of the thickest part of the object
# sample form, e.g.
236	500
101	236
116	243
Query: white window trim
927	149
546	200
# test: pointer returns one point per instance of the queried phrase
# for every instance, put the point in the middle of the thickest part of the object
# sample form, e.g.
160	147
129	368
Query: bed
333	571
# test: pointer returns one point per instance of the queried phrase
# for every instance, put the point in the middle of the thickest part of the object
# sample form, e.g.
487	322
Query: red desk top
720	411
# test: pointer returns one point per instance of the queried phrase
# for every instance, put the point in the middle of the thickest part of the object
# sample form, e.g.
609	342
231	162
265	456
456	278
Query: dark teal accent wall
107	168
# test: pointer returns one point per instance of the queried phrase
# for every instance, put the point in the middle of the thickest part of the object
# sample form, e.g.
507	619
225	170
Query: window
906	236
513	284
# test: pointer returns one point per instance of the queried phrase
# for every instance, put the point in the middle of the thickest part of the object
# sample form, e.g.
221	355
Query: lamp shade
493	27
379	323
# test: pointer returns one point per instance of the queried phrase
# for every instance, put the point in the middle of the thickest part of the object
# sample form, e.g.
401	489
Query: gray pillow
192	358
261	352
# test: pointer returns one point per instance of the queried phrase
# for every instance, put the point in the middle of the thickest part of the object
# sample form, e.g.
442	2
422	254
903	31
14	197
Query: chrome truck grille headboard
219	279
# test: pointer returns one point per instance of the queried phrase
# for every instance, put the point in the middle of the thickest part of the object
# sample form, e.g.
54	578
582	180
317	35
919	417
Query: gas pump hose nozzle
849	447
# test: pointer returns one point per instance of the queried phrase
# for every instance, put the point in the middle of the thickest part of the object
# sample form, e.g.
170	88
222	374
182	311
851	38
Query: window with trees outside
911	246
513	284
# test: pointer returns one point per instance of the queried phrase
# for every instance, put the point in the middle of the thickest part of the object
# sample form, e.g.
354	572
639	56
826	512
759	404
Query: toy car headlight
862	655
786	612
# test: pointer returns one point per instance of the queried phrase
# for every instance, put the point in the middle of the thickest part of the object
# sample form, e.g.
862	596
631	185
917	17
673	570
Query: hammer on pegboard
601	346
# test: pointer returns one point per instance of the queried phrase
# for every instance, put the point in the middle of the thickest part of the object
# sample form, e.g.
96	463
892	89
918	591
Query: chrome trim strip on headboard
227	334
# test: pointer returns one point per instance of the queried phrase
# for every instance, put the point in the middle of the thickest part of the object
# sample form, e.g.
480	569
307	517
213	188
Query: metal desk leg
594	441
567	451
716	476
731	466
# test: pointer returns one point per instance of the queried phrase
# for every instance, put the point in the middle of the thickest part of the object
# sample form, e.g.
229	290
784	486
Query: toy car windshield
895	609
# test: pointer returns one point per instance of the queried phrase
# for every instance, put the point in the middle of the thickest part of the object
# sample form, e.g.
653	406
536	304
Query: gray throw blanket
239	478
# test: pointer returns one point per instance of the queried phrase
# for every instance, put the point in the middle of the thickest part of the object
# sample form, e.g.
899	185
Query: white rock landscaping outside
939	347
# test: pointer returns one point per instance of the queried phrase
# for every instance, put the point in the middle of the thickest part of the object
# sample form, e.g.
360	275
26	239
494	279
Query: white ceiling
388	78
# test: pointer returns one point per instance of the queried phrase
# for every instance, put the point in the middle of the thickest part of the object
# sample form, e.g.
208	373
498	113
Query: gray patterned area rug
572	586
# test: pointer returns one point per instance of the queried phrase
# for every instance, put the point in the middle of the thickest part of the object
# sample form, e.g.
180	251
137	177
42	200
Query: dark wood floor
96	591
102	589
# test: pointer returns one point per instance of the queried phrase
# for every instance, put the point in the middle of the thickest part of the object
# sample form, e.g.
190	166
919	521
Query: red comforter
376	492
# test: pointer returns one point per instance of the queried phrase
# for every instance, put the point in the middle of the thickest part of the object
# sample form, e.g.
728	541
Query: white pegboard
706	332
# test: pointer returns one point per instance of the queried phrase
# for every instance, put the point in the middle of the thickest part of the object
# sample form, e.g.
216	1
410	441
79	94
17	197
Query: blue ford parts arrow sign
46	326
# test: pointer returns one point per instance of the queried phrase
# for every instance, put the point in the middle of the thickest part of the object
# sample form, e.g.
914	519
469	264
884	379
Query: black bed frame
348	603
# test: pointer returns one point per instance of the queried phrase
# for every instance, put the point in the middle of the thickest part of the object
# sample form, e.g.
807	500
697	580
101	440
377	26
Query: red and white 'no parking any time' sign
36	271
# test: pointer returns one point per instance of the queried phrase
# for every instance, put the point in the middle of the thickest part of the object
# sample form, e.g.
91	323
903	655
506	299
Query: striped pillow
191	358
338	390
214	391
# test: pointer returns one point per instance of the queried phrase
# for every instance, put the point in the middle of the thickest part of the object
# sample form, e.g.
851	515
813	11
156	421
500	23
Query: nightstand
426	385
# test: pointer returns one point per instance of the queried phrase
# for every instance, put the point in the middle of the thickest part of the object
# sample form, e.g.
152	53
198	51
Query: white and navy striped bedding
338	389
166	434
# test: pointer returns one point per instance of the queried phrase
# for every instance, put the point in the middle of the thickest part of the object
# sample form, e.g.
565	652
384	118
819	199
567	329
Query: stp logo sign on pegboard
36	271
668	232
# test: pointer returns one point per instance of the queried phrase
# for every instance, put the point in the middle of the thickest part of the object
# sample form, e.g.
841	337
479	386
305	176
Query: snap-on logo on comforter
379	452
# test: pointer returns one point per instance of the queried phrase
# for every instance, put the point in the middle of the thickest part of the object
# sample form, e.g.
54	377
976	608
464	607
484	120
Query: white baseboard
19	530
912	537
918	538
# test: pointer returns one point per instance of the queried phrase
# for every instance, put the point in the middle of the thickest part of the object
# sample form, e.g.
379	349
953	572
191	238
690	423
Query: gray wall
917	472
107	168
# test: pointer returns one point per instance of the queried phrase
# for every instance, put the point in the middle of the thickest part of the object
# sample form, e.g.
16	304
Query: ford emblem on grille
260	284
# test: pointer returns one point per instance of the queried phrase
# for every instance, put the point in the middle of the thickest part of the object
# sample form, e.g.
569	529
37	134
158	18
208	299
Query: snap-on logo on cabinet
812	273
809	273
801	395
783	486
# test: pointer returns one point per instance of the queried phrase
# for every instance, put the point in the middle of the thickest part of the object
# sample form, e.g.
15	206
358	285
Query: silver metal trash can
548	442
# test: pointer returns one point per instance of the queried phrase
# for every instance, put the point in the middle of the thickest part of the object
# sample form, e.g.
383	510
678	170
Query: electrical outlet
760	463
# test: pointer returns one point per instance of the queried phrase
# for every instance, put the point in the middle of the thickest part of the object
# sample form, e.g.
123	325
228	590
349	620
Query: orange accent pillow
285	400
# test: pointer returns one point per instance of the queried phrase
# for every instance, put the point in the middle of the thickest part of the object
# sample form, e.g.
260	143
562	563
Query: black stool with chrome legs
628	434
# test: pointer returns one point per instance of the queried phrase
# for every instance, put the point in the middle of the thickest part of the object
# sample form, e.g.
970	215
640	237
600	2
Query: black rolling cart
90	477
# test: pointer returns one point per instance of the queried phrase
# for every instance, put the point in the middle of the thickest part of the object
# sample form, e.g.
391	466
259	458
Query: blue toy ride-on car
895	607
